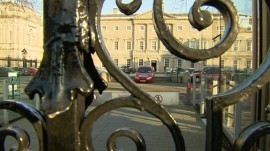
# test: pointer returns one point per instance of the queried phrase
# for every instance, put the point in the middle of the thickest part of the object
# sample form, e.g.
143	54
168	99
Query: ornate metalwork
32	115
199	19
67	78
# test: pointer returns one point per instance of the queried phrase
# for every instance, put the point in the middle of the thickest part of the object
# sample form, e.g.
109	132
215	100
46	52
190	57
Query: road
153	87
148	87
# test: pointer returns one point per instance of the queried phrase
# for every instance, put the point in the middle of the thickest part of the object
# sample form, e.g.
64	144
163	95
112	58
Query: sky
177	6
170	5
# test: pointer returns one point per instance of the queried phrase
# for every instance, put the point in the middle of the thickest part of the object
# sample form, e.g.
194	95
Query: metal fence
67	78
19	62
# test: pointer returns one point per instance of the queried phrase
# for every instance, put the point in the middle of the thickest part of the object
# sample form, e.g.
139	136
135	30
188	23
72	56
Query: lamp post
134	62
219	76
24	52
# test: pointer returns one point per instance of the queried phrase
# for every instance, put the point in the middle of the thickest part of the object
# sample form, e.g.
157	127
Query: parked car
145	74
190	70
29	71
179	70
5	70
128	69
198	75
211	73
19	70
169	70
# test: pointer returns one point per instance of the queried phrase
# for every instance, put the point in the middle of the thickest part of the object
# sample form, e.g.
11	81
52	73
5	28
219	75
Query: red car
29	71
145	74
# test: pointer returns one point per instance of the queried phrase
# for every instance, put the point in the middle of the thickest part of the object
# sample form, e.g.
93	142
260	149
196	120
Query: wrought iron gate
67	78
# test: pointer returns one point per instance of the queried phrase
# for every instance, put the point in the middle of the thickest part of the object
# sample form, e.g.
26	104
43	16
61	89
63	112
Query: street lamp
24	52
219	76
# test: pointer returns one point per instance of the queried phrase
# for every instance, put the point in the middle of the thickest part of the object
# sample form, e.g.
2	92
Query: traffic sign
159	98
12	80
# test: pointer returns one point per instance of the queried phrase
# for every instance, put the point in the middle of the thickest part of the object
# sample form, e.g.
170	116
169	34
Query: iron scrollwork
200	19
67	77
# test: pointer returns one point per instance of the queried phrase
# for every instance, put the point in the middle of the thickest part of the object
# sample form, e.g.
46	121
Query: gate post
9	61
5	97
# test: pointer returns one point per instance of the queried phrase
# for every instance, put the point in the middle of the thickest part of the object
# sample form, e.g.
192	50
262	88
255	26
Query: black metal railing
67	79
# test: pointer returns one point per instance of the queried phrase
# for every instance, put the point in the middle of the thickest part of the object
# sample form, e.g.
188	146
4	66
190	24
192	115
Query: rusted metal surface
67	78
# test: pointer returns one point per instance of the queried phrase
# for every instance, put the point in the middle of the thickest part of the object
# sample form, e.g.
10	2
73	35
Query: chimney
115	10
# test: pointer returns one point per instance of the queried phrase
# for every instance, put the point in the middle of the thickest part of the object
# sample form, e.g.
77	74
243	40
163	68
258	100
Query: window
179	63
128	62
166	63
249	45
104	28
115	45
116	28
128	45
222	65
128	28
116	61
194	43
249	28
204	44
220	28
141	45
169	27
236	45
235	64
154	44
179	27
141	27
140	62
249	64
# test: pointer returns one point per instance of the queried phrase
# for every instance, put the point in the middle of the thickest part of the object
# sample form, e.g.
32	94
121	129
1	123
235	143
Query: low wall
165	98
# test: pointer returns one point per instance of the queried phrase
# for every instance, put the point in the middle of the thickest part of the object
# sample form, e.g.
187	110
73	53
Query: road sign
159	98
12	80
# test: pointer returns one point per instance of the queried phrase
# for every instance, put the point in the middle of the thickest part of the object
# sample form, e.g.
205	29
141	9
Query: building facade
132	41
21	35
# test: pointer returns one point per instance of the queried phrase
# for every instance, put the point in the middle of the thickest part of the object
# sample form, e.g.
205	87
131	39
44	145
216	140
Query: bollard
194	89
202	107
223	86
189	86
215	87
209	87
37	100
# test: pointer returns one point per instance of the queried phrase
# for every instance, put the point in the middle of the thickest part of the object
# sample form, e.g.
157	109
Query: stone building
132	41
21	35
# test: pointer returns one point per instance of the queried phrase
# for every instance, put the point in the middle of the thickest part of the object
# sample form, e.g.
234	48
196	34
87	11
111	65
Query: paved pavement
156	135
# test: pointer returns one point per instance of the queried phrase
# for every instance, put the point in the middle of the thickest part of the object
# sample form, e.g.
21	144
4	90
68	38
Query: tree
36	4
